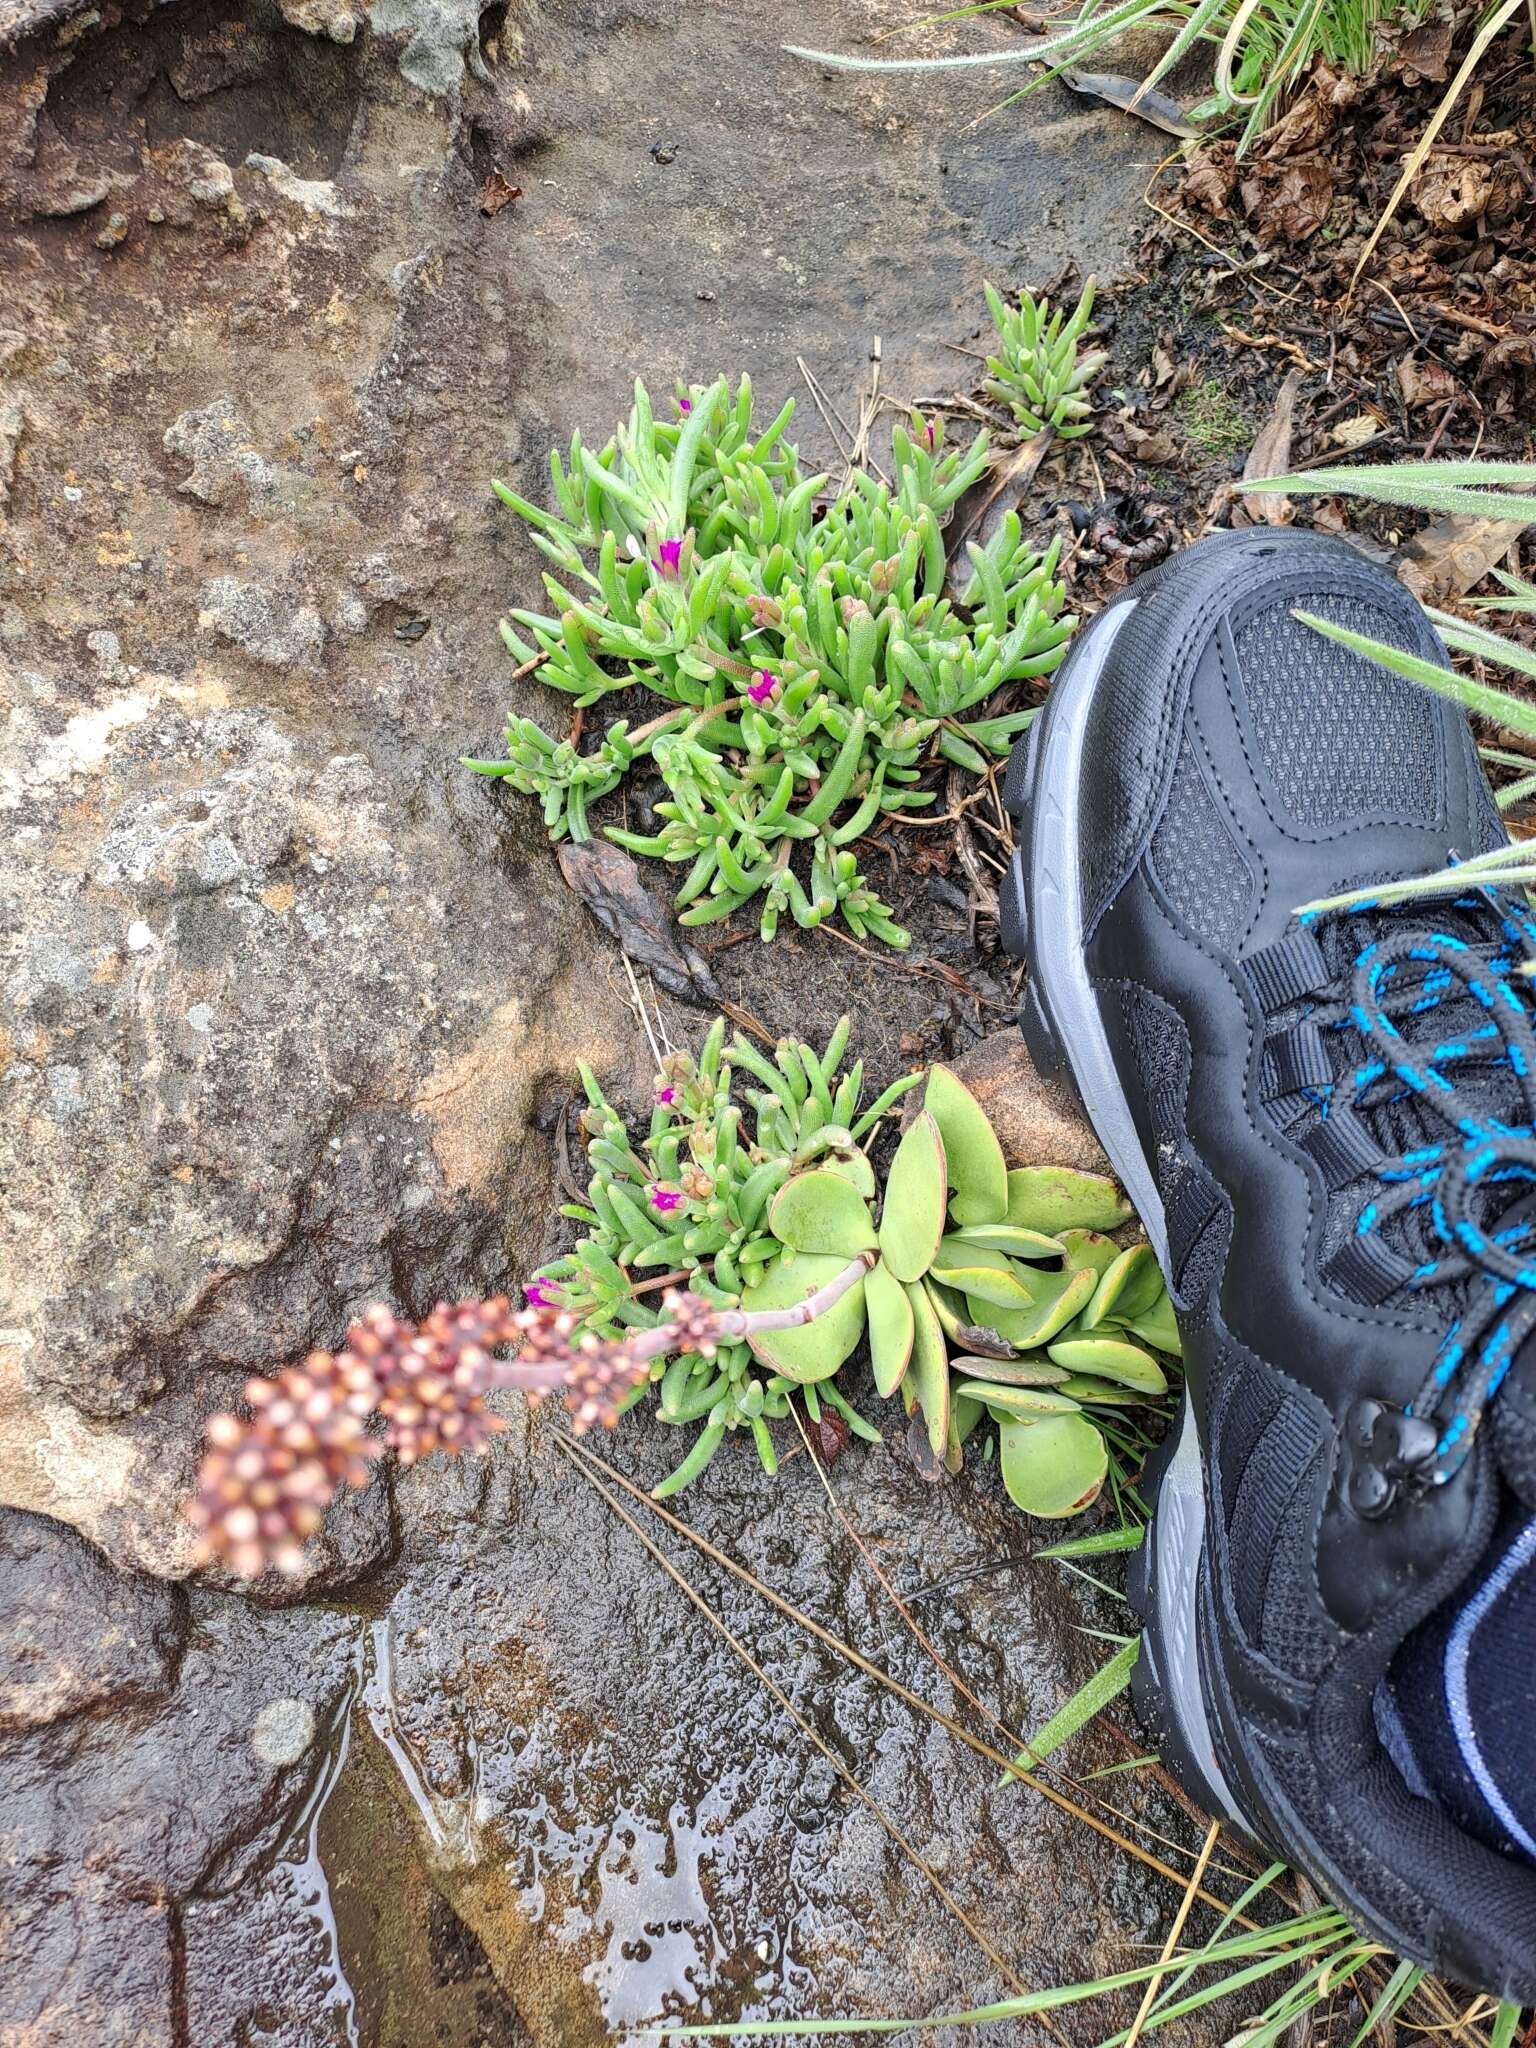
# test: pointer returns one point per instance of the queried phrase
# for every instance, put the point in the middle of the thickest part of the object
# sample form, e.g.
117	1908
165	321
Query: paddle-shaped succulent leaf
1009	1238
1015	1401
1083	1386
890	1328
973	1157
1156	1326
1126	1288
1058	1298
1053	1198
853	1164
815	1350
1088	1248
1034	1371
980	1274
926	1387
1109	1358
1054	1467
912	1220
820	1211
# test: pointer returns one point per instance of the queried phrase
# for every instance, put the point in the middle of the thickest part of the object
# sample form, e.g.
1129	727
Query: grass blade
1106	1684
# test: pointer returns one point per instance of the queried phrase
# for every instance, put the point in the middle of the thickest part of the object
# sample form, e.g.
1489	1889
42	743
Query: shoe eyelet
1387	1450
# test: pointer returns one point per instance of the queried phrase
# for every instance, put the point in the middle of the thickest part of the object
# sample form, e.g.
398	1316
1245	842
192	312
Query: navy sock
1458	1711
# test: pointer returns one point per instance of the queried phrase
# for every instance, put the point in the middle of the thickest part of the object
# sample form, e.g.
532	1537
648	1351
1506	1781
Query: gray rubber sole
1067	1037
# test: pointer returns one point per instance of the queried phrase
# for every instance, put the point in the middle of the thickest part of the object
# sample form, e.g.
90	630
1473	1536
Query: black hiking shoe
1325	1123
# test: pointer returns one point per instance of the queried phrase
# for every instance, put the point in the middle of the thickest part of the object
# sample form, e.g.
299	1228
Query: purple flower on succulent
537	1295
667	1097
925	432
664	1199
685	405
668	560
763	687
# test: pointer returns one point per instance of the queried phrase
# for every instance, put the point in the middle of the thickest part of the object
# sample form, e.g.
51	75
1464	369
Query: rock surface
292	1006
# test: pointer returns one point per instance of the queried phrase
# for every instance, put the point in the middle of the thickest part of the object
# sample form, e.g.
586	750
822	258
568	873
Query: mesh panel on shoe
1364	743
1269	1452
1198	861
1196	1211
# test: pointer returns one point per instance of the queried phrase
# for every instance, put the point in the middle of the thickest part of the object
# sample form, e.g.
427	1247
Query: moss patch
1212	419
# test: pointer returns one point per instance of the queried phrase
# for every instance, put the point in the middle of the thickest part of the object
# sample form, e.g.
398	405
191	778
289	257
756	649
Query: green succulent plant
694	1197
998	1295
991	1294
806	650
1038	371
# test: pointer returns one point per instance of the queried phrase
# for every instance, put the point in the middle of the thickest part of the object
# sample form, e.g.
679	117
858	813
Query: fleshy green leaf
973	1157
1034	1371
987	1276
820	1211
1108	1358
1056	1198
912	1219
1089	1248
890	1328
927	1383
1023	1401
1059	1297
1055	1467
1127	1288
1010	1238
815	1351
1158	1327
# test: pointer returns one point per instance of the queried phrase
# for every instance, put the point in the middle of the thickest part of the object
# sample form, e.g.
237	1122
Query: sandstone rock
1038	1122
292	1006
263	623
226	465
337	19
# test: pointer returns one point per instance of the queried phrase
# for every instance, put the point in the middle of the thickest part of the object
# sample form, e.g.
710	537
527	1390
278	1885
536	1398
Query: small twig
740	1651
1148	1997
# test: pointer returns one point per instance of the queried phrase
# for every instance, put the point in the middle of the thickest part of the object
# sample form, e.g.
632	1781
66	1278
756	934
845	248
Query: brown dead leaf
1350	433
984	507
1426	383
1425	54
1454	555
1153	447
1453	192
1270	455
608	882
1287	202
1211	179
496	193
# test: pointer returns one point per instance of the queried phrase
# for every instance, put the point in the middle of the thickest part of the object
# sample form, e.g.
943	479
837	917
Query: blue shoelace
1398	982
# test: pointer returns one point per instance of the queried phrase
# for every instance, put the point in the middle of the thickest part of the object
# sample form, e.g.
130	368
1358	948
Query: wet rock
292	1006
120	1832
74	1633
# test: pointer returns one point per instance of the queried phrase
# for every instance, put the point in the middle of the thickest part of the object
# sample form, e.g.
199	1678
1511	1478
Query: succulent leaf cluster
1039	371
806	649
728	1131
994	1294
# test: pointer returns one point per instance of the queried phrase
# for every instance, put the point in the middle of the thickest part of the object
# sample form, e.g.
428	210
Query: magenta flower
667	1097
925	431
668	561
664	1199
685	405
537	1295
763	687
